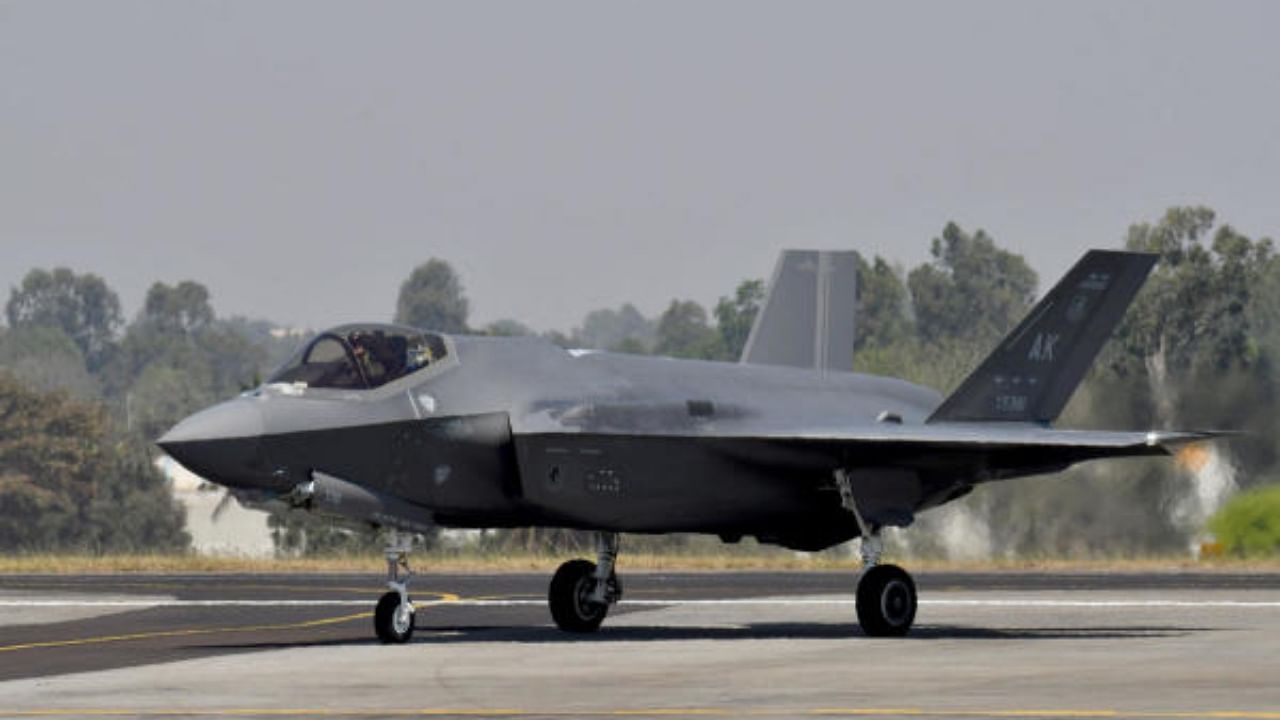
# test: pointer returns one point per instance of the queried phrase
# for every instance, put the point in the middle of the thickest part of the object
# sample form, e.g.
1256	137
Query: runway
1013	645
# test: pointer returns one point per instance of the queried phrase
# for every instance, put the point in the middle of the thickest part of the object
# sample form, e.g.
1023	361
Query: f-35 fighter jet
408	429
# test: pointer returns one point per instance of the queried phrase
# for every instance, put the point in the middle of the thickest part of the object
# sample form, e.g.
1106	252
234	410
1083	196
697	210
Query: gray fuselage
517	431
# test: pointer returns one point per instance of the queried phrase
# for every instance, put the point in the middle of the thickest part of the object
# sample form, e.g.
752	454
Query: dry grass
523	562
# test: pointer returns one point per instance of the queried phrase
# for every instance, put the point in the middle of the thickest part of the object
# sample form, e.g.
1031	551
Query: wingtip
1179	438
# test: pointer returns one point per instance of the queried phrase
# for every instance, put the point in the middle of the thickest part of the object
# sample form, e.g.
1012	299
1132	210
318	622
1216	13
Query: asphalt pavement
1016	644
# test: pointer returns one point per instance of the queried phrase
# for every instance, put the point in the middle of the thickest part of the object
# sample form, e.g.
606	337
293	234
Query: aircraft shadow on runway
447	635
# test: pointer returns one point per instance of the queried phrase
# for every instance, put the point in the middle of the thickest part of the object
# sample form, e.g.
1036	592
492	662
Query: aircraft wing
984	435
897	470
990	453
979	451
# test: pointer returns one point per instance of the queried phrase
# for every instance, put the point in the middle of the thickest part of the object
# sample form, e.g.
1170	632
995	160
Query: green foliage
683	332
174	359
46	359
233	360
178	357
133	510
81	306
48	448
162	373
941	365
508	328
1249	524
432	298
67	483
559	339
972	289
883	303
1193	314
177	310
964	301
736	315
1197	348
259	342
608	329
630	346
163	394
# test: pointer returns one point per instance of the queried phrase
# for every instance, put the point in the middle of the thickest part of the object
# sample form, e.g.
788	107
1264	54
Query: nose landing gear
393	616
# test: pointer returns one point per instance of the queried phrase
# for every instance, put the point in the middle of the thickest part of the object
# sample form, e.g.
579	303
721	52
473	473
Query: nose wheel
393	616
393	619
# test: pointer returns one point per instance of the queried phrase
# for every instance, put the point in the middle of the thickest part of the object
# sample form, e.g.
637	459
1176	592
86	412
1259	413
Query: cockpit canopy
361	357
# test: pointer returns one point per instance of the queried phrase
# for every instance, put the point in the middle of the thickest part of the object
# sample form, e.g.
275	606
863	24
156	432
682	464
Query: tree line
1197	349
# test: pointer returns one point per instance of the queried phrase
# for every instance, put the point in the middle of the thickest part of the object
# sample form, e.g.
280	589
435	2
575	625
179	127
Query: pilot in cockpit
360	343
382	358
417	356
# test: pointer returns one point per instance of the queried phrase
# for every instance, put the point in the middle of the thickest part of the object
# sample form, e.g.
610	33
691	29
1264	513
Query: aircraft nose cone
232	419
222	443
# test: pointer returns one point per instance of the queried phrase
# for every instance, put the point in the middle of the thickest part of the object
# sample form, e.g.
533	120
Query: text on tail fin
1036	368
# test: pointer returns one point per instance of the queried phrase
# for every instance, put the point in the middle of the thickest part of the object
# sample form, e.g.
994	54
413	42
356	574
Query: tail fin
807	318
1034	371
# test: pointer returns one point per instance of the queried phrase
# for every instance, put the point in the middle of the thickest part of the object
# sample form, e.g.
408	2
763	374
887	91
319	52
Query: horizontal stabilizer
1032	374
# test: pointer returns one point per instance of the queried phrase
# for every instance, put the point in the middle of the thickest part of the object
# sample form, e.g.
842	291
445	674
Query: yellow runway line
185	632
442	596
941	714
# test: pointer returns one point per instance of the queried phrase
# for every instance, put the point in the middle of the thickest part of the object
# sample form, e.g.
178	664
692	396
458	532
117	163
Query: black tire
886	601
569	595
387	622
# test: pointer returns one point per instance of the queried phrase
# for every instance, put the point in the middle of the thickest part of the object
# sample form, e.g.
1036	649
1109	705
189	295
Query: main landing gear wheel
886	593
582	591
393	619
570	598
886	601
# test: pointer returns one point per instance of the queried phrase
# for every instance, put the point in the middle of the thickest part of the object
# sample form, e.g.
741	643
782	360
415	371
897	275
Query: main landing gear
393	617
582	591
886	598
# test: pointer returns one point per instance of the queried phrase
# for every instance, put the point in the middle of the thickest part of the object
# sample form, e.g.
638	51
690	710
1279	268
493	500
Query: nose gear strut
393	617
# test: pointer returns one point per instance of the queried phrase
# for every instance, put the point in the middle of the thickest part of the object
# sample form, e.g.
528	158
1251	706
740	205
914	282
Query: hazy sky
300	157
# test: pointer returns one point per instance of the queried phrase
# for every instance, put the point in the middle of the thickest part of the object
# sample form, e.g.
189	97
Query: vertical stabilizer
1034	371
807	317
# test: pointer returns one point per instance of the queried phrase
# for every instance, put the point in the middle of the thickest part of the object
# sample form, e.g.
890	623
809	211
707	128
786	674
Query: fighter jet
409	429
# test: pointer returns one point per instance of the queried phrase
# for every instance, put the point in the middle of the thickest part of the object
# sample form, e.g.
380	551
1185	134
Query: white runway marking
835	601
